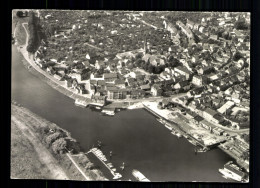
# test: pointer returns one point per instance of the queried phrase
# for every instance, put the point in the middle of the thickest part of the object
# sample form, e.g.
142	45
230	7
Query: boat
139	176
98	107
117	176
232	171
200	150
168	126
178	135
109	111
160	120
113	169
81	103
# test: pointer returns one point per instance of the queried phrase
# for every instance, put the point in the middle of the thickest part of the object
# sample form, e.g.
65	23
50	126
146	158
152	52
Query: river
134	136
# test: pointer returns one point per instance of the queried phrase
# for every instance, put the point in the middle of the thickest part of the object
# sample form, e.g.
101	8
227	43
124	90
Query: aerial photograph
143	96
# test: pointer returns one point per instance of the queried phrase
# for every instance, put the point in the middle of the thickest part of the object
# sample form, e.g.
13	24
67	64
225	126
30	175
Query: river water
134	136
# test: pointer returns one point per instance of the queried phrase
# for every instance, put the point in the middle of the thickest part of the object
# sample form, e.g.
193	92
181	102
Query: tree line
33	36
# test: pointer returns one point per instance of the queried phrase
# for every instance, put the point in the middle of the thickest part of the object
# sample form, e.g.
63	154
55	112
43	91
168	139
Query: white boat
81	103
117	176
168	126
178	135
109	111
139	176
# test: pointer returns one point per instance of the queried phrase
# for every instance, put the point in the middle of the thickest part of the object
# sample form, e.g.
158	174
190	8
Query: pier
116	175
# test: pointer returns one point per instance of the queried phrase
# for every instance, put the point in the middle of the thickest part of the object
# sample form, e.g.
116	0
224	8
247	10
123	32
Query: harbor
176	130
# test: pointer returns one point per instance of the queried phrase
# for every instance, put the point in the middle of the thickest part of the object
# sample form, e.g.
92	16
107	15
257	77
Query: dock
99	154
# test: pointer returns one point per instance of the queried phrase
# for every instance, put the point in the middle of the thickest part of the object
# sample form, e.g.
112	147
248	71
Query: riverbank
59	166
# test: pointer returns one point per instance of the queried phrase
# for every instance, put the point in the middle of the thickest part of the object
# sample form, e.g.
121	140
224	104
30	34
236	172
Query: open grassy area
20	34
25	162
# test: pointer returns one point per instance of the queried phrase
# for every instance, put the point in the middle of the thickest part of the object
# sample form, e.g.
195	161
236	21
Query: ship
139	176
81	103
108	111
232	171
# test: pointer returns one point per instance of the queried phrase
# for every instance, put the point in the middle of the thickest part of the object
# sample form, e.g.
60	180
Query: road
83	174
158	99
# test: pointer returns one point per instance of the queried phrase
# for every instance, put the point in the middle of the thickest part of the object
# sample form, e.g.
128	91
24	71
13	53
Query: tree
59	145
53	137
237	56
241	25
151	68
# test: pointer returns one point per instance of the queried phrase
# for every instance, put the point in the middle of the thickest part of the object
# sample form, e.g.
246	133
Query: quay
176	127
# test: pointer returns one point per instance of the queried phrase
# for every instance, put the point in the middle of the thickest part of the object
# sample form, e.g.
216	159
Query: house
99	65
117	93
134	74
81	89
205	70
213	37
190	24
96	76
209	113
137	93
186	30
110	77
130	81
218	131
68	82
86	64
197	119
201	29
183	71
145	87
199	80
156	90
77	76
120	83
91	89
99	99
205	124
181	85
213	76
50	70
165	75
217	118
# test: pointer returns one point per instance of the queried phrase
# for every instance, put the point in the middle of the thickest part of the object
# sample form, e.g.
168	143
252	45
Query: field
25	162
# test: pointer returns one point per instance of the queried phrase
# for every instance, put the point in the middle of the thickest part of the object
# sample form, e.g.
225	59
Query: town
191	70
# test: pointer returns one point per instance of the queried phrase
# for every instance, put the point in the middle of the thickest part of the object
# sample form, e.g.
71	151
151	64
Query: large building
186	30
199	80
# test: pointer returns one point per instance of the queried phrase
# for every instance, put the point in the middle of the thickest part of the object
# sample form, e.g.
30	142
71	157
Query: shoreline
32	122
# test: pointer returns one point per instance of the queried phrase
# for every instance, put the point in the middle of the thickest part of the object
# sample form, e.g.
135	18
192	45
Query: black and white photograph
142	96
